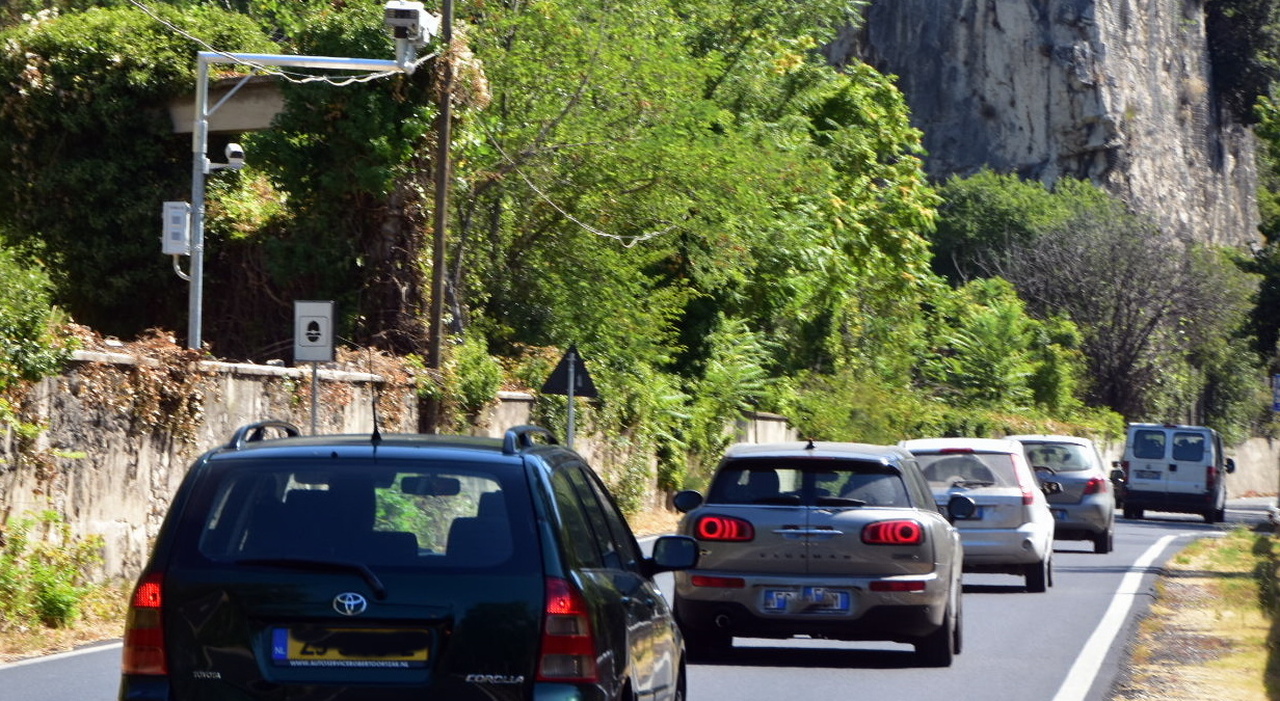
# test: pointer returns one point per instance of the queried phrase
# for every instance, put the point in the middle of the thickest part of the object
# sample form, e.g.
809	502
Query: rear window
1060	457
1148	444
946	470
808	482
423	516
1188	446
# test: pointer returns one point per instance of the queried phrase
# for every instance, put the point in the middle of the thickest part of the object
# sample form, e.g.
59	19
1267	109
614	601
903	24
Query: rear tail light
899	532
1210	478
898	585
702	580
724	528
1095	485
144	634
568	644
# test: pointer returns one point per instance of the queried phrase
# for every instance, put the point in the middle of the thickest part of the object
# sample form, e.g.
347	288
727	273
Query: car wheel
1215	515
706	645
1103	542
1133	512
939	648
1038	576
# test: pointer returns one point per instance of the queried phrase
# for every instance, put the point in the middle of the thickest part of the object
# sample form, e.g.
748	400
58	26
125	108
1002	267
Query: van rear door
1148	452
1190	455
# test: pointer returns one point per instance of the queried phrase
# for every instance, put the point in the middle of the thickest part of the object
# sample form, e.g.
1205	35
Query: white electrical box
176	239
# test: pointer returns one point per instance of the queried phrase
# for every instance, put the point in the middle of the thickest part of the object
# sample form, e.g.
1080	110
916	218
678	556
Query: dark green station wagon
400	567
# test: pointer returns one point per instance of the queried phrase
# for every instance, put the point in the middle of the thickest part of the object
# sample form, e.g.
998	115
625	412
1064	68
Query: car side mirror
1117	476
1231	465
673	552
1051	488
687	501
960	507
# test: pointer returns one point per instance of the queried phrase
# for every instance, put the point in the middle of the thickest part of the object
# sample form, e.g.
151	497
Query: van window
1188	447
1148	444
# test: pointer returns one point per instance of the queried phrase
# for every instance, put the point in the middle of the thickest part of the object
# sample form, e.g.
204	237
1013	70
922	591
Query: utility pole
429	414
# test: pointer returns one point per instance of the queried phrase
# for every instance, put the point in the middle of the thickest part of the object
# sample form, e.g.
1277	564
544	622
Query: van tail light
897	532
725	528
143	633
1210	479
1095	485
568	644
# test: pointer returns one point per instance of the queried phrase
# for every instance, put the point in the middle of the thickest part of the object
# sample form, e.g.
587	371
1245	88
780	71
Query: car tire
706	645
1103	542
1133	512
939	648
1039	576
1215	516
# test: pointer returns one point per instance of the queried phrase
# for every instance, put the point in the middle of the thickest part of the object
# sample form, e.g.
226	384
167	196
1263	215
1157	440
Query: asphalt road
1062	645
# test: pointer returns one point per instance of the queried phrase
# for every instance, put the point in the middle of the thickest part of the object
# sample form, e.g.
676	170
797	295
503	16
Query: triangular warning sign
558	383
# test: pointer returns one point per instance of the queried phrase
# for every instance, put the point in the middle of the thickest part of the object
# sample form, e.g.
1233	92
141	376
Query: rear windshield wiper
299	563
841	501
970	484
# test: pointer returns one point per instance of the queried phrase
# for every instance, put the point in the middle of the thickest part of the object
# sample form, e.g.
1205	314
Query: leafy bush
43	571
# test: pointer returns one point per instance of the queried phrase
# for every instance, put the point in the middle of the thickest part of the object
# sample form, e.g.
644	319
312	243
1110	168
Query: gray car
1084	508
830	540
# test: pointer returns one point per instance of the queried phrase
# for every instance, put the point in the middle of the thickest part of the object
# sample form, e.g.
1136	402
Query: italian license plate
1148	474
350	647
816	600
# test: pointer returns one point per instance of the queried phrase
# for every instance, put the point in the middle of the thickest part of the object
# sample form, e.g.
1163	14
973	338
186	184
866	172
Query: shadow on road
814	657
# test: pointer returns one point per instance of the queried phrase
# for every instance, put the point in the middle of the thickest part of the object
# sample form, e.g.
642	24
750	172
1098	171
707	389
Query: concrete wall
111	465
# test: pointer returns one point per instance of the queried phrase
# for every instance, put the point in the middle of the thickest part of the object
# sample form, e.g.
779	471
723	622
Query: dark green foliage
1244	50
89	153
32	344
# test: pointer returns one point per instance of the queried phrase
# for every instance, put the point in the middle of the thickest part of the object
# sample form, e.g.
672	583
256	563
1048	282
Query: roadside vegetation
718	219
1213	630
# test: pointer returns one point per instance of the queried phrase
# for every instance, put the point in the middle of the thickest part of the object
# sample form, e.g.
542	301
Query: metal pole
435	323
572	361
199	146
314	392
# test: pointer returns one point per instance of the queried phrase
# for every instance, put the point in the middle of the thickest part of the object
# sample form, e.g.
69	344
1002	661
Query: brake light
947	451
725	528
1210	478
1095	485
568	644
702	580
144	634
898	585
900	532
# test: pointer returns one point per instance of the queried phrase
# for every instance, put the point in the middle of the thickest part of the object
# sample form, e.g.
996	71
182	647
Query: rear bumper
1084	520
896	616
1026	545
1174	502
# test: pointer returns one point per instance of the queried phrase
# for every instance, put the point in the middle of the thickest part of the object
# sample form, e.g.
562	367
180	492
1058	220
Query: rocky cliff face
1114	91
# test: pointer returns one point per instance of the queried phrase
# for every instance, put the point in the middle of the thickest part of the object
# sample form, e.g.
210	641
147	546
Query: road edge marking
1088	663
61	655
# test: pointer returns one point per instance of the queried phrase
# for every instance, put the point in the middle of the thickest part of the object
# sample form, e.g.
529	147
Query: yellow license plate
350	647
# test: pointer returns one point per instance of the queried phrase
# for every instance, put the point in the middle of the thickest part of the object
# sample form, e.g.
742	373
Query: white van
1168	467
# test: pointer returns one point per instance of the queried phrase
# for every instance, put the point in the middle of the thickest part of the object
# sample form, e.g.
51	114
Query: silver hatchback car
1085	507
830	540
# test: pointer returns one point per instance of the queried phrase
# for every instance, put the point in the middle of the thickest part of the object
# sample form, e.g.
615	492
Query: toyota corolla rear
343	579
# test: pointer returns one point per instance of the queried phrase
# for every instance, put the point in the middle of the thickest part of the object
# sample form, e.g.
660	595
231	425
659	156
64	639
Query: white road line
1089	662
61	655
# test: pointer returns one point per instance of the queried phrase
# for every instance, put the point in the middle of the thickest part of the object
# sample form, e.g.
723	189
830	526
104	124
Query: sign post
313	341
571	379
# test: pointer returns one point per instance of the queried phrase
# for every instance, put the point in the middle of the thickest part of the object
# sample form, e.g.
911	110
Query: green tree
89	152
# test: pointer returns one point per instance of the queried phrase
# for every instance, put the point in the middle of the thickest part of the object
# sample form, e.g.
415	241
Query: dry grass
1206	636
654	522
102	618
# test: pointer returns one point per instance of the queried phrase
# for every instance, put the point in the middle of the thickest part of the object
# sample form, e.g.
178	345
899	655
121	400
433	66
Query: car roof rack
257	431
518	438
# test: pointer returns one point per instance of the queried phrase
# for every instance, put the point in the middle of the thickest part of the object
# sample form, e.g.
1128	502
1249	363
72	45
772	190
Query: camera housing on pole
410	21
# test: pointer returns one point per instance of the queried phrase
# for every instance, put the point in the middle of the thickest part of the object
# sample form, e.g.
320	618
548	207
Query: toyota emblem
349	603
